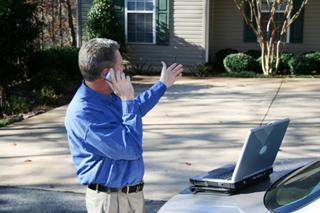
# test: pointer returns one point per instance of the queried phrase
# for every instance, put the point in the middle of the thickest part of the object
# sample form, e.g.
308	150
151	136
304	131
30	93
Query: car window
295	190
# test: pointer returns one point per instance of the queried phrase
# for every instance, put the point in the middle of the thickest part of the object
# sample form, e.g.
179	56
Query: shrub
54	67
301	65
254	53
284	63
199	70
46	96
15	105
141	68
102	22
239	62
221	54
316	57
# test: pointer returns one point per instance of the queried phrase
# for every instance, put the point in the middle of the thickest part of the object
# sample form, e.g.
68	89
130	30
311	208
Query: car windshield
295	190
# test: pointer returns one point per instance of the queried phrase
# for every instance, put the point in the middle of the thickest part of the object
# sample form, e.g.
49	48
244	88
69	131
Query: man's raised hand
171	74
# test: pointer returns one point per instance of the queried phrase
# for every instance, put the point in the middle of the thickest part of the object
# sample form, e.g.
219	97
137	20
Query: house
192	31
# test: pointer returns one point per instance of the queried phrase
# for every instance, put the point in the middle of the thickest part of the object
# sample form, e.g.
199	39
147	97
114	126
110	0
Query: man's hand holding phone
121	84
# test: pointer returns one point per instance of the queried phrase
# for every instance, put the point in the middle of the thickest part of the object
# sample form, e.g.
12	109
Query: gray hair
95	55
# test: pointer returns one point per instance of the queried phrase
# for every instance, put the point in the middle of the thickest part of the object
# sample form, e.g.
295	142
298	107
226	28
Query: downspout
206	29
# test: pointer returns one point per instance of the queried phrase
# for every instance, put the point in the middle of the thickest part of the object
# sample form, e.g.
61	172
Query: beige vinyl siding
226	29
186	44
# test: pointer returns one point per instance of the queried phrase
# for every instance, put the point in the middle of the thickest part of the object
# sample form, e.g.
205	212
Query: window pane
265	6
149	5
148	37
131	6
278	20
142	5
140	27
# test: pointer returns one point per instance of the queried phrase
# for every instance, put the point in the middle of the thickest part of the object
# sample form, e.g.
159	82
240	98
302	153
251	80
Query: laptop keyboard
221	173
225	176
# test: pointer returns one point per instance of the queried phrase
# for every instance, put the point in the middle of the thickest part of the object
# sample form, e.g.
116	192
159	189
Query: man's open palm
171	74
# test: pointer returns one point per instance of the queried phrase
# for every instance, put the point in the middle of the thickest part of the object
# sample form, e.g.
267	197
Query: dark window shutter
296	29
248	34
162	22
119	10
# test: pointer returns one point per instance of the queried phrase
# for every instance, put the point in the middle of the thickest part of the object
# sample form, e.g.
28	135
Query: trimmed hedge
284	67
283	64
240	62
301	65
316	57
54	67
221	54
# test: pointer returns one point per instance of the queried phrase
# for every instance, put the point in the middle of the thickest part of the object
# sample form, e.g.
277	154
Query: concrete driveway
199	124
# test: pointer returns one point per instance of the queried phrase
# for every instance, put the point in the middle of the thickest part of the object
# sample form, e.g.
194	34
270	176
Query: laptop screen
260	149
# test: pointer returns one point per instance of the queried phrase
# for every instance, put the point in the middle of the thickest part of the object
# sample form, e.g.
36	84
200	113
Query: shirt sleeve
118	141
149	98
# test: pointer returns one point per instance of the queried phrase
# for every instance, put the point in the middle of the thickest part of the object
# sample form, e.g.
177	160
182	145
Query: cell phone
107	77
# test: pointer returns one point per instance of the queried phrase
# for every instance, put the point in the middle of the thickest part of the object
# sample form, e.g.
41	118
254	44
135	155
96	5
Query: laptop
255	163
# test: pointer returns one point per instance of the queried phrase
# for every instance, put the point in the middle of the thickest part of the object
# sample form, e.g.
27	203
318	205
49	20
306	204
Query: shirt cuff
129	106
160	85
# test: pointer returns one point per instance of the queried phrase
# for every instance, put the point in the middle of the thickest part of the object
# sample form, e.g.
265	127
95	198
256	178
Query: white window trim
126	11
279	11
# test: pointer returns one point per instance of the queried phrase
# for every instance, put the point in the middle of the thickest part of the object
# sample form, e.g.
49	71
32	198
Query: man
104	128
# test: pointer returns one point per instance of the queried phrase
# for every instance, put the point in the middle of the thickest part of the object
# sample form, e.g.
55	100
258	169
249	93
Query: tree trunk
71	26
60	23
53	36
267	58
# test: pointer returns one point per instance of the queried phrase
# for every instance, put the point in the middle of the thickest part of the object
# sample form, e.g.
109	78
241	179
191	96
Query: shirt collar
88	92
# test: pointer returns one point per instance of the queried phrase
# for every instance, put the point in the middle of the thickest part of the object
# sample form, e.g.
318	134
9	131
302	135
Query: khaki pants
115	202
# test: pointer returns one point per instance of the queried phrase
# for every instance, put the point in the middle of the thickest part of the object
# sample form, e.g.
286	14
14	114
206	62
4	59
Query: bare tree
271	34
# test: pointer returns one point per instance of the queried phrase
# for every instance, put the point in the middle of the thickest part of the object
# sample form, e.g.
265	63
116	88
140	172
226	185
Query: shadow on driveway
22	200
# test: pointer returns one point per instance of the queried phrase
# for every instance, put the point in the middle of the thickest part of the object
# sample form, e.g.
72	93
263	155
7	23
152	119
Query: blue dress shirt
105	135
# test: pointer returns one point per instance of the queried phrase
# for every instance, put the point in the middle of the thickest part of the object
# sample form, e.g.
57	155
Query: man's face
118	65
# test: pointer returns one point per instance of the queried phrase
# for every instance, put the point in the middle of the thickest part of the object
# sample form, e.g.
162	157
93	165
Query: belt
126	189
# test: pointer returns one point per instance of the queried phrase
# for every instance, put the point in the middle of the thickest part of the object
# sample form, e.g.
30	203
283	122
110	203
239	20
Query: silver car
294	186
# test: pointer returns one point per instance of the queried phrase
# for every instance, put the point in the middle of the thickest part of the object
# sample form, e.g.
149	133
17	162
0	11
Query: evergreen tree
102	22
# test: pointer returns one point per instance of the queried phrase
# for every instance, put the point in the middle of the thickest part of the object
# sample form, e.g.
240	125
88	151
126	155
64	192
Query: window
296	190
279	18
295	32
139	18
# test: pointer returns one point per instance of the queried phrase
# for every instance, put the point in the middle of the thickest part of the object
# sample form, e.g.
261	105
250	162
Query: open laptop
255	163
